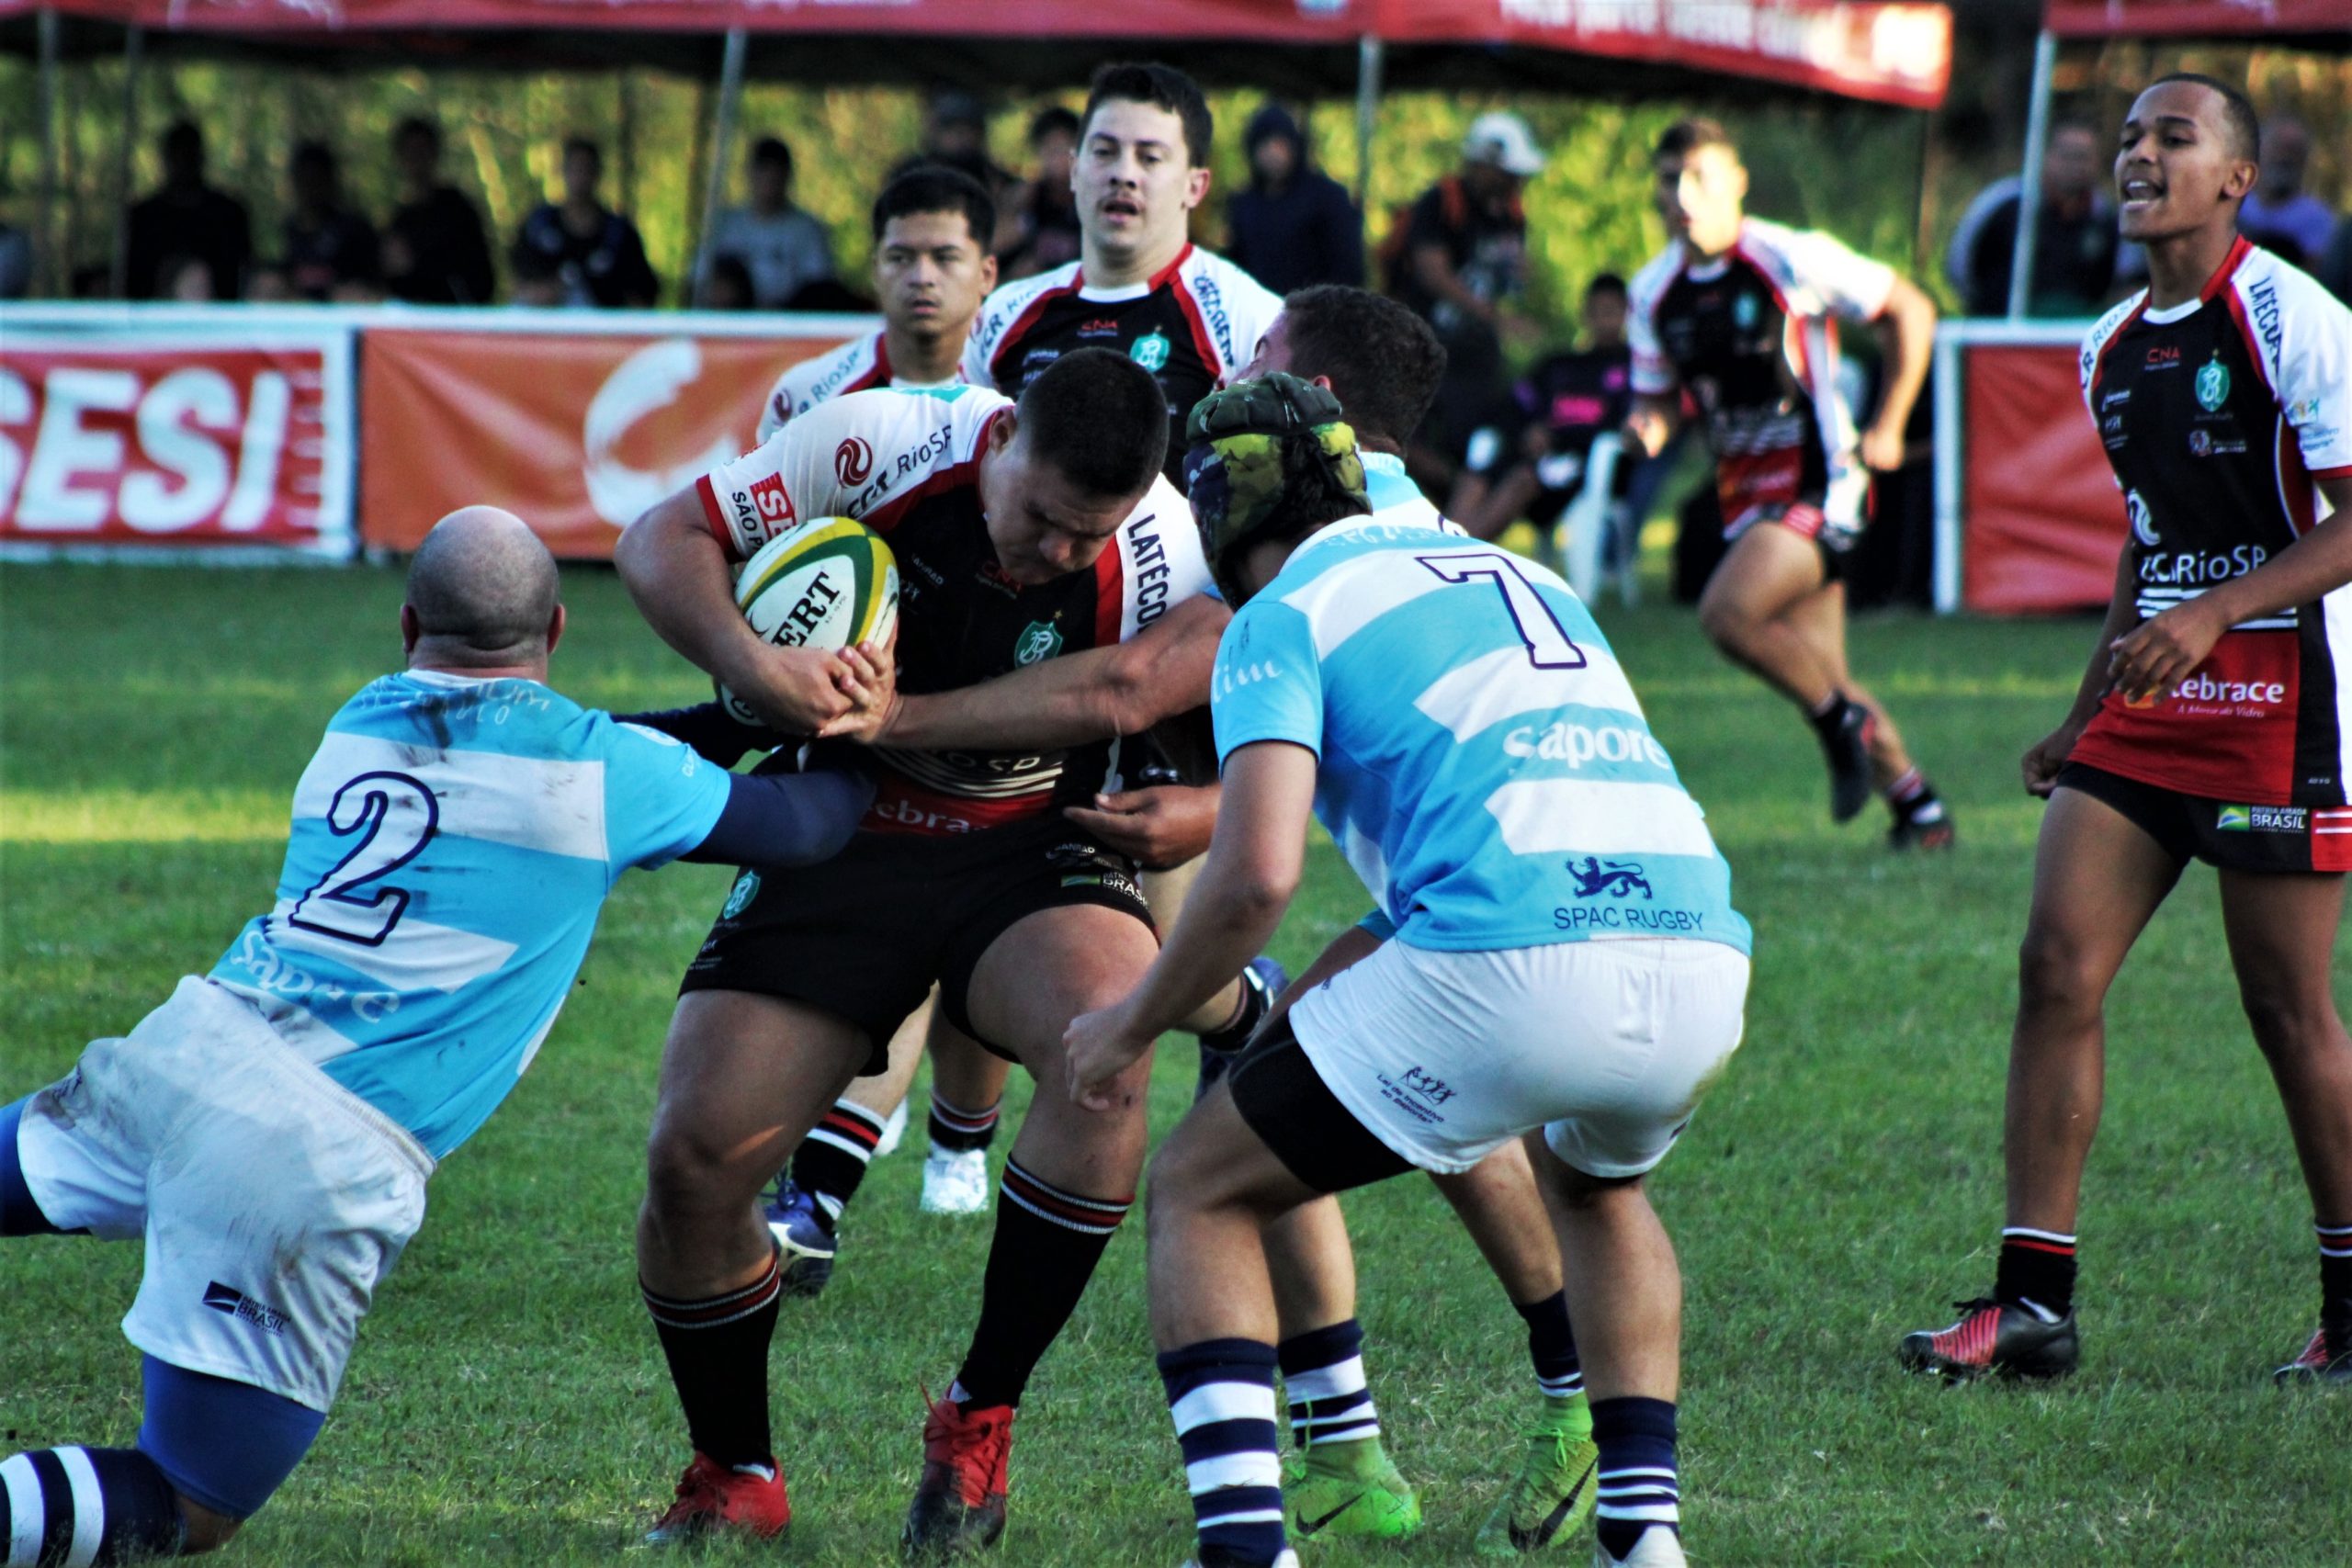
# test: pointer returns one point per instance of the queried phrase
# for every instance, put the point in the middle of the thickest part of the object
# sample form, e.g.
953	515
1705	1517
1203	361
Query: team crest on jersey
1039	642
2213	385
739	896
1618	879
1150	351
1745	311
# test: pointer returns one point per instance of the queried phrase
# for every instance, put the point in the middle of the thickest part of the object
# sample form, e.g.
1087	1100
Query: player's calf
91	1505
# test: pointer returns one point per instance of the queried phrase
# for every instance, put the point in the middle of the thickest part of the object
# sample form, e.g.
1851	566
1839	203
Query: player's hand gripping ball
829	584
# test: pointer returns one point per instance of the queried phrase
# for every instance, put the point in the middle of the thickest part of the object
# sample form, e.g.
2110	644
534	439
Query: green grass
507	1402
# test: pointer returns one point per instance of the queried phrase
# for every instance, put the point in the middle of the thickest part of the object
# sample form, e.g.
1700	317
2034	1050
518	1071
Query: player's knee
2287	1021
2057	976
1726	621
689	1169
203	1531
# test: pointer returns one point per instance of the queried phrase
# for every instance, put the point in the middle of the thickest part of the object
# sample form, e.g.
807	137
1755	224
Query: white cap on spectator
1503	140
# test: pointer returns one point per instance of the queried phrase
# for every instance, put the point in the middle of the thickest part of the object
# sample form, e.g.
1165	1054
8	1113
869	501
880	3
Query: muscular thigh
744	1077
1769	569
2097	878
1047	968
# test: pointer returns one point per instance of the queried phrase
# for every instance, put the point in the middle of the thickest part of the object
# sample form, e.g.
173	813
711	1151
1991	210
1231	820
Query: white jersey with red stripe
1192	324
2219	415
858	366
907	464
1752	335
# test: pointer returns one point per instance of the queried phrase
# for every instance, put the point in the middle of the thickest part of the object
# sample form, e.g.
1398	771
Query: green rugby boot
1349	1489
1558	1483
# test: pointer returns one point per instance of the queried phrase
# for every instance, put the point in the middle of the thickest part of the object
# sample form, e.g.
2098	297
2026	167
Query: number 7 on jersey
1547	642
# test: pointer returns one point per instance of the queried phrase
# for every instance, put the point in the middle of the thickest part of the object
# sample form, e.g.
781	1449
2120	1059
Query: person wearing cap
1292	225
1458	257
1407	686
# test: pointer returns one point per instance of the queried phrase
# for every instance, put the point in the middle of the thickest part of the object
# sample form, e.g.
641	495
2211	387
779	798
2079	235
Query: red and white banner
2315	20
185	439
577	433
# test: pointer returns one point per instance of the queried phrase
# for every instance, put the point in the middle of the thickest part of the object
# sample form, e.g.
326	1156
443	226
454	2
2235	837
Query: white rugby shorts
1608	1045
272	1200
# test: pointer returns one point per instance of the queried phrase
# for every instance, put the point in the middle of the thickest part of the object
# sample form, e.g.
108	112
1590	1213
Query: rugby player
1742	315
1391	678
2211	723
1025	532
931	269
1139	286
269	1130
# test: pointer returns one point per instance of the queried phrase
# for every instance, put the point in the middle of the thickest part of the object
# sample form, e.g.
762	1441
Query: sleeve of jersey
660	799
2315	384
1269	682
1653	374
1849	284
986	332
790	477
777	411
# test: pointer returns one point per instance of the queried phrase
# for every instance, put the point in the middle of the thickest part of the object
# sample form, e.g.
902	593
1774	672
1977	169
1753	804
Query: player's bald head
483	588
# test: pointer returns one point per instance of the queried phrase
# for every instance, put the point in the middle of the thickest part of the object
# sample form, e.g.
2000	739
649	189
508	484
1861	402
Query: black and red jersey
907	464
2219	416
1752	335
1190	324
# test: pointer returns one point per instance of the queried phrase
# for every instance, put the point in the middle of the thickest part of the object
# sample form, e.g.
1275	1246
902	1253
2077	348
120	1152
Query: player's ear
987	274
556	624
2238	182
410	630
1196	189
1003	429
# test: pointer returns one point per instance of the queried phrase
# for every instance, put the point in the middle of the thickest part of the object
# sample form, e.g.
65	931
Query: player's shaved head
482	589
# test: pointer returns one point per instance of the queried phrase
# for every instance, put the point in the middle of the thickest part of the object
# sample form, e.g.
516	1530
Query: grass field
507	1401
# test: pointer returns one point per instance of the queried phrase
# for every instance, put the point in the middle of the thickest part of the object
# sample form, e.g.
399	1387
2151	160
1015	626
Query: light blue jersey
1484	765
453	840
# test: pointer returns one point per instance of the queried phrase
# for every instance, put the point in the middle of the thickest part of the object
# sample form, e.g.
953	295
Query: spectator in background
265	284
2075	242
1038	230
955	133
537	280
15	262
1292	225
328	245
596	254
435	249
185	281
782	248
1565	402
2334	268
2281	216
188	217
1458	258
725	286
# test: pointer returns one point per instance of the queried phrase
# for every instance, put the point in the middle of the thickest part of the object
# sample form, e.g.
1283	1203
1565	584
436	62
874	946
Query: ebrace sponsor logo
2205	690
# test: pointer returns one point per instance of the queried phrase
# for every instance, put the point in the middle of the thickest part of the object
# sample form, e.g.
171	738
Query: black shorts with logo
864	934
1285	1101
2227	834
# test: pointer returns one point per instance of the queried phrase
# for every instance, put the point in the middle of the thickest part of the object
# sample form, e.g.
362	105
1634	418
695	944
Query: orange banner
576	433
2044	521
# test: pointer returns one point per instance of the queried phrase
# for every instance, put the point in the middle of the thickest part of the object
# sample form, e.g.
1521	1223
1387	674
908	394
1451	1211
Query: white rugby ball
830	584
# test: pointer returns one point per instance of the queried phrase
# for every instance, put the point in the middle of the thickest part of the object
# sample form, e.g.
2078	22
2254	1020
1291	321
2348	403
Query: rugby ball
829	584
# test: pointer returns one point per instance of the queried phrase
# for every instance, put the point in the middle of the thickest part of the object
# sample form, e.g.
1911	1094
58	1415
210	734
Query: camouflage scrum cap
1235	464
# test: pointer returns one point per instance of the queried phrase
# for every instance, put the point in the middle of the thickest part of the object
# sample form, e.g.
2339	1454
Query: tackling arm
1066	701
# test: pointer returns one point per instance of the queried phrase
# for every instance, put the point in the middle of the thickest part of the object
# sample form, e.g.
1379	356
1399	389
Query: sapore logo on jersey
1577	744
2188	568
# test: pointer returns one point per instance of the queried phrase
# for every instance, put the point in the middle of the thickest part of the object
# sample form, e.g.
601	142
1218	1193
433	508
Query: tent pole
730	96
134	41
2037	143
46	265
1369	50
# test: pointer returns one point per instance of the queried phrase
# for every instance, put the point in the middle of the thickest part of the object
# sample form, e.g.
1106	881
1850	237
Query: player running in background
2211	723
1558	950
931	269
1139	286
1022	533
1743	315
269	1130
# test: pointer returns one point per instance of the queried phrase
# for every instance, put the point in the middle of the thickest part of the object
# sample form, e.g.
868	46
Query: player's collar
1123	292
1390	463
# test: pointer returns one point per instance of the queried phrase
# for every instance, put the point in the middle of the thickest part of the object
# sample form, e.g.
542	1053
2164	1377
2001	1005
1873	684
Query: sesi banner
184	439
576	432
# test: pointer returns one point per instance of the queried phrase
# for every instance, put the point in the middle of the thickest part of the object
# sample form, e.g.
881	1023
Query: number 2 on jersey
1548	646
395	816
